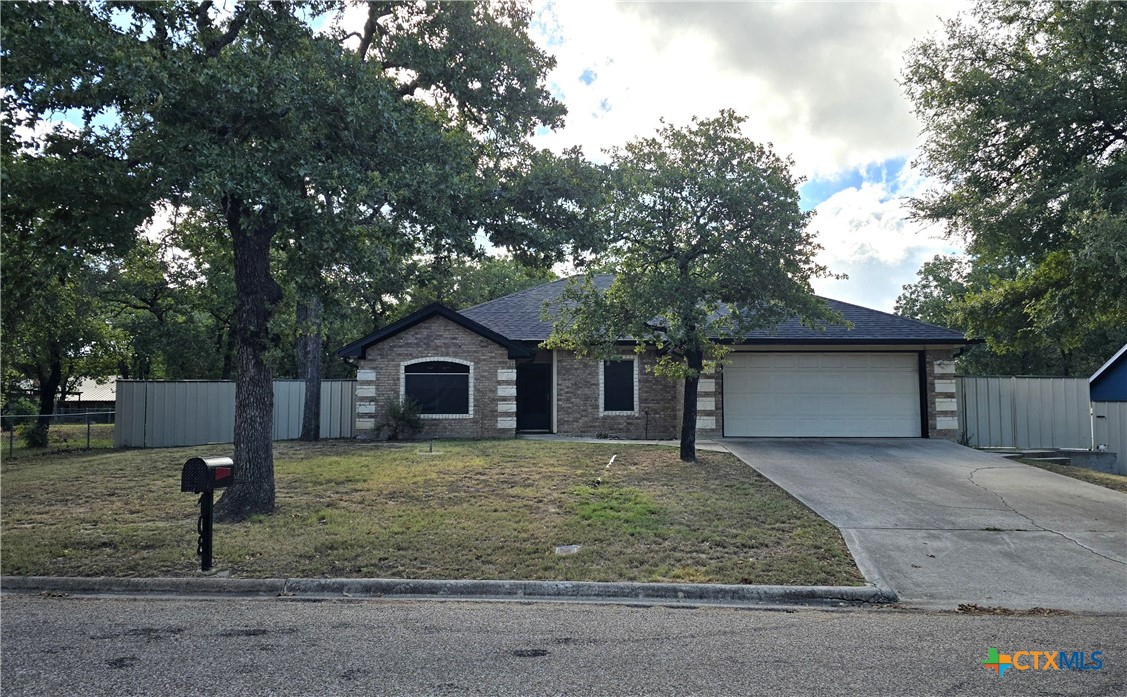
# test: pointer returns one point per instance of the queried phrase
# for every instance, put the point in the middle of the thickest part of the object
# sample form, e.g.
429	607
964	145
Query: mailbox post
203	475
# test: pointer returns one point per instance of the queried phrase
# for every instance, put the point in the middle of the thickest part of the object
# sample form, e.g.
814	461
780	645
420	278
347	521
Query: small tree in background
711	244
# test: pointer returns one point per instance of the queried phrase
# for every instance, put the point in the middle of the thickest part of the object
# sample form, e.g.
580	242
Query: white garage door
822	394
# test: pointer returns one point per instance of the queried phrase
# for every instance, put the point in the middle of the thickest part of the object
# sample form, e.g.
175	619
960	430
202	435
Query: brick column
943	409
507	398
365	401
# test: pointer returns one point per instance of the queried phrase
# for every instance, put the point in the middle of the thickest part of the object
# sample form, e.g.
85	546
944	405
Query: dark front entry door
534	397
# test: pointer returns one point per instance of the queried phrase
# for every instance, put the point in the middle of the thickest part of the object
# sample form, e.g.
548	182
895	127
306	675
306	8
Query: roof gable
517	316
357	348
1109	383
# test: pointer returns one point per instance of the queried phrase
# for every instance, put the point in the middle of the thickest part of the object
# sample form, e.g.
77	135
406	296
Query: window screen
618	385
439	387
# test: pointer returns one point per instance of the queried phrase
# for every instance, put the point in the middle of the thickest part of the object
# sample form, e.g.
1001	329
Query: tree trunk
50	377
227	370
256	295
309	342
689	410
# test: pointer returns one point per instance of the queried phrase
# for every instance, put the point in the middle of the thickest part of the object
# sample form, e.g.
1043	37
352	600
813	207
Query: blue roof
517	317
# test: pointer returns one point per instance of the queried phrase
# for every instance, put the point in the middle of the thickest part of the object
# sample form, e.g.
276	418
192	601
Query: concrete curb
493	590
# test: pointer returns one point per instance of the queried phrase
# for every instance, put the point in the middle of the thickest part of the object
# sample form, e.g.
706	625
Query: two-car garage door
822	394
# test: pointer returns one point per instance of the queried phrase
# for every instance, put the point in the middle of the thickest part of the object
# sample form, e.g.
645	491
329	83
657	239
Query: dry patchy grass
1112	481
483	509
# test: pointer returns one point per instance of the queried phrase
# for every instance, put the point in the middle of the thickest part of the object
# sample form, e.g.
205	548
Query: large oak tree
709	243
299	130
1025	117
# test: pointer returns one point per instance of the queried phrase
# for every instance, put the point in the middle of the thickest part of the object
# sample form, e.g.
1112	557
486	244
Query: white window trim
445	359
602	388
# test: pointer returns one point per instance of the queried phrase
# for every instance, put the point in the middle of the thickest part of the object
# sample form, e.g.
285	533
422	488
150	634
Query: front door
534	397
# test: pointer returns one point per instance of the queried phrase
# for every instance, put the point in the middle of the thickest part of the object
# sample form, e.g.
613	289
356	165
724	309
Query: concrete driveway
944	525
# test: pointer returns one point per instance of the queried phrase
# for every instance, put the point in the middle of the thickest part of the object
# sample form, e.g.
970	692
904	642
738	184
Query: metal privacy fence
151	414
1005	412
1109	427
1013	412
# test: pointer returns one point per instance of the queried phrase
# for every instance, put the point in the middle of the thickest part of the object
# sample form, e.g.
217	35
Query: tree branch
408	89
370	27
211	47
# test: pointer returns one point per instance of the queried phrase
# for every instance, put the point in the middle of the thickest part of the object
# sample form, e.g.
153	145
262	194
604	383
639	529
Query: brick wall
942	408
578	400
492	376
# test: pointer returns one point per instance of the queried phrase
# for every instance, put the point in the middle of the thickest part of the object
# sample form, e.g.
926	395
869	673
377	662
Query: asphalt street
174	646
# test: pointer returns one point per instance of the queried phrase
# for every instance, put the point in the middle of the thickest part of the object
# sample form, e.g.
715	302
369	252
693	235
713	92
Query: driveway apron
943	525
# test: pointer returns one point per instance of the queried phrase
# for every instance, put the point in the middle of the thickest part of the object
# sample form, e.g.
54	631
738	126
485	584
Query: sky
817	80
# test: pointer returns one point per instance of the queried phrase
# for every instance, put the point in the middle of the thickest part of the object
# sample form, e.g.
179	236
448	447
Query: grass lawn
60	437
1112	481
472	509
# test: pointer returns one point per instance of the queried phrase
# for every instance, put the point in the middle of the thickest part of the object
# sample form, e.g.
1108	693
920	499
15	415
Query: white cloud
867	234
818	80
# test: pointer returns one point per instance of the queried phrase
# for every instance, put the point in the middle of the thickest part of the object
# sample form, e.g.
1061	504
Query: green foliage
402	419
317	151
941	284
463	283
709	244
1026	125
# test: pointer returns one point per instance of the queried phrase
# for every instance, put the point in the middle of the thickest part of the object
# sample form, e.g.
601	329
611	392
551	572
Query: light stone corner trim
945	386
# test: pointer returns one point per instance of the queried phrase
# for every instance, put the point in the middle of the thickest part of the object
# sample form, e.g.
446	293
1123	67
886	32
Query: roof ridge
895	316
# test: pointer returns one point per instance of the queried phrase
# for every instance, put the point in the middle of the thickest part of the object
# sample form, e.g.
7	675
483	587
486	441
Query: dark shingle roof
517	317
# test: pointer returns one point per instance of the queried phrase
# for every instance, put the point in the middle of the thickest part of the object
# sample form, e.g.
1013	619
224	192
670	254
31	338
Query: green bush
402	419
33	433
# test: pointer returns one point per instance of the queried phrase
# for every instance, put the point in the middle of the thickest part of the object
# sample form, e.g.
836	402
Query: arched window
439	387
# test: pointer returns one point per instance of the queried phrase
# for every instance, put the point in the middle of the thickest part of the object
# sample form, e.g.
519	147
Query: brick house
479	373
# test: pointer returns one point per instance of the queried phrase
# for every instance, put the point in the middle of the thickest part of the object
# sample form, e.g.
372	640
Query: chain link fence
37	433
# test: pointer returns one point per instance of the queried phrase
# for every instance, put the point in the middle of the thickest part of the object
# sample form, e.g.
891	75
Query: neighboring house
479	373
1107	389
90	395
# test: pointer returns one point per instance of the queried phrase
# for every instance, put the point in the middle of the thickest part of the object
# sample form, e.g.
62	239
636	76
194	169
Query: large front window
439	387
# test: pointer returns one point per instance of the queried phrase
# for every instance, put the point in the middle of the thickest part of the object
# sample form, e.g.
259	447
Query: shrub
34	434
402	419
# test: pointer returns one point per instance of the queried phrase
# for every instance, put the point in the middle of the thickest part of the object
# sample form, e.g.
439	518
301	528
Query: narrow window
439	387
618	385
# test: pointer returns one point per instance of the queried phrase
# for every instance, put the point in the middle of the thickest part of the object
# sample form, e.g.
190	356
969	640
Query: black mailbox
202	474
